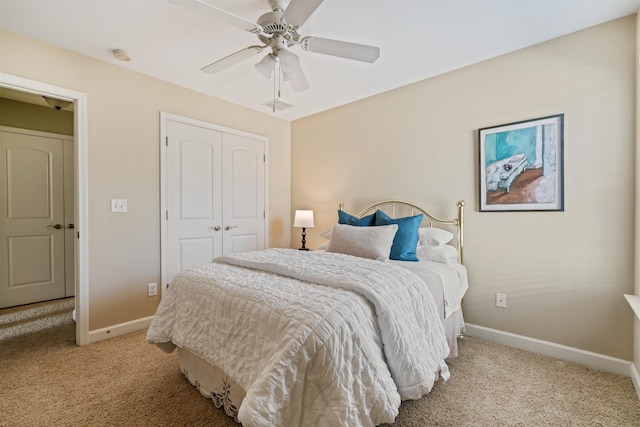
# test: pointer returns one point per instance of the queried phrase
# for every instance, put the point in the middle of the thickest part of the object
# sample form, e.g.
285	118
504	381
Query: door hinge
166	141
264	214
166	215
264	158
78	234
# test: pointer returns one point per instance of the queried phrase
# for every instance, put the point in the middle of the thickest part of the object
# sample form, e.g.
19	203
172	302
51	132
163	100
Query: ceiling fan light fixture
266	65
291	75
289	61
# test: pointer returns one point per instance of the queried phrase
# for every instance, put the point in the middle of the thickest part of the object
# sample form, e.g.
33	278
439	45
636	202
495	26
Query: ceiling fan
278	30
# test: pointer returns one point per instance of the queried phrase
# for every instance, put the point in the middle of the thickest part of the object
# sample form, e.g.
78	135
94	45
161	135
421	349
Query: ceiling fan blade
204	7
233	59
355	51
299	11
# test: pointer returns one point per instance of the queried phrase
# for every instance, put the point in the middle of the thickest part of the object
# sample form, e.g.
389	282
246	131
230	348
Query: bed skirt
211	382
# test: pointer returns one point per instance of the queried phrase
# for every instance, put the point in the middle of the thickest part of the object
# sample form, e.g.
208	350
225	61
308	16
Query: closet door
194	196
215	195
243	194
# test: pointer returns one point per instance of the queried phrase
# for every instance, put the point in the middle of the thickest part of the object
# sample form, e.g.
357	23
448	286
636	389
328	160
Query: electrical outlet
118	205
152	289
501	300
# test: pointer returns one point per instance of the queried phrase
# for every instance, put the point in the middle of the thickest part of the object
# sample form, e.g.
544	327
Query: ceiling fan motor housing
273	24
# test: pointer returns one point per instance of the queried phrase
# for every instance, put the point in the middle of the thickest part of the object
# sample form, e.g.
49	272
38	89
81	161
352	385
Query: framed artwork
521	166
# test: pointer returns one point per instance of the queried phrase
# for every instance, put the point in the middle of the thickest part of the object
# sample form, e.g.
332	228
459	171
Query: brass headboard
397	208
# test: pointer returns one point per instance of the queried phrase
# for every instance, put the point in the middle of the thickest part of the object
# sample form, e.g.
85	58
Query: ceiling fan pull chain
274	87
279	78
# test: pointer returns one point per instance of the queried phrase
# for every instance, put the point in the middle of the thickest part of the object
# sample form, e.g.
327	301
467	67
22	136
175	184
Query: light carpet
46	380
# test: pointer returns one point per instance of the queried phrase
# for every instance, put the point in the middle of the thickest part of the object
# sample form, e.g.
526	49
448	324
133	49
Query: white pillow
445	254
431	236
363	242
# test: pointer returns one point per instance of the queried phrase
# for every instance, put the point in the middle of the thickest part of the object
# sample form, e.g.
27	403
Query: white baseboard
558	351
120	329
636	379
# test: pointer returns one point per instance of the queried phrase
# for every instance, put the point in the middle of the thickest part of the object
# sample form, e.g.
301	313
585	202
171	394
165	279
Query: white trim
81	188
163	203
32	132
558	351
635	377
164	118
634	302
194	122
119	329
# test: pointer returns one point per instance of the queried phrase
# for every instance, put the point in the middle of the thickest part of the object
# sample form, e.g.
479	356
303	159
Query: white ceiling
418	39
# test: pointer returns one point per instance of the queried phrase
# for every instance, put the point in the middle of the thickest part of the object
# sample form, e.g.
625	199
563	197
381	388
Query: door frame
81	212
164	118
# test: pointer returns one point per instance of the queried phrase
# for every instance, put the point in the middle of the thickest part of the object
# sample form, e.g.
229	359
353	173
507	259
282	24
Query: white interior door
32	233
243	190
194	195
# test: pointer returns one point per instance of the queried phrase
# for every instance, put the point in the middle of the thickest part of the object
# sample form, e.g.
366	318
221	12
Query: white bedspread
308	352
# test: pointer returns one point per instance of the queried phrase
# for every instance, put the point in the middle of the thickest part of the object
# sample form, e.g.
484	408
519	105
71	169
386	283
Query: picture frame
522	166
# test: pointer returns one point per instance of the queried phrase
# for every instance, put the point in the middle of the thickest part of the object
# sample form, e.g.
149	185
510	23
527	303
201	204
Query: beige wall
564	273
123	161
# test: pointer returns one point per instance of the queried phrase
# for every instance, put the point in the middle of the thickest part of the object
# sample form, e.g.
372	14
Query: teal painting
521	165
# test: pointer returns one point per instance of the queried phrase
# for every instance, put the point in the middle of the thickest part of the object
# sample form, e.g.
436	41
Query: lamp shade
303	219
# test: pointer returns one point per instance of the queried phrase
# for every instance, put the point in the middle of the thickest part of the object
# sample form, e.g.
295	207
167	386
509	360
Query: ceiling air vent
277	104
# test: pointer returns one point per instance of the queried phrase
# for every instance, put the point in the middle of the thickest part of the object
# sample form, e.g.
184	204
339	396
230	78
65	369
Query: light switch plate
118	205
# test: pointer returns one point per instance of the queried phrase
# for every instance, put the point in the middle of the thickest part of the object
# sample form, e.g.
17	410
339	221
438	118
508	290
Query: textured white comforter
313	338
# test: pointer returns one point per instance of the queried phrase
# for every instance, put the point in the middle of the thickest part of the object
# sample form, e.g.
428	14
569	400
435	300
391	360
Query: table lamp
303	219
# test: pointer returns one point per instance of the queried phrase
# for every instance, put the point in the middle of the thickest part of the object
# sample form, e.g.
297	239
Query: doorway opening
80	216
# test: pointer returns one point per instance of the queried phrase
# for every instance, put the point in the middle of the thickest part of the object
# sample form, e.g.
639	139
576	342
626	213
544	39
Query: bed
502	173
283	337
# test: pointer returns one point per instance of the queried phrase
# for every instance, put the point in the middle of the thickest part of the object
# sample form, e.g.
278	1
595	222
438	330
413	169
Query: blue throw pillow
406	240
365	221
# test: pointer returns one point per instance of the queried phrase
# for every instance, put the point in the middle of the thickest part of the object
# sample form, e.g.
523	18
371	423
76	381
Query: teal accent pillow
365	221
406	240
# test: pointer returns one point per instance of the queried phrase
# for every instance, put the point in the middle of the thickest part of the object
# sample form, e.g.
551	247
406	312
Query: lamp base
304	234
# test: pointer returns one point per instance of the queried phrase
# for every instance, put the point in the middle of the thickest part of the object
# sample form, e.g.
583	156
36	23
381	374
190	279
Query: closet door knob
229	227
57	226
216	228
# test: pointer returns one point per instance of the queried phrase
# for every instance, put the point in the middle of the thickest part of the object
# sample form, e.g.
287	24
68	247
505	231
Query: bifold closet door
215	192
